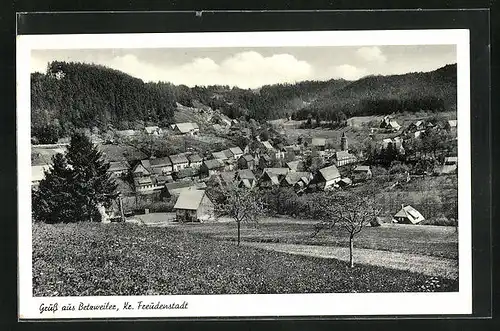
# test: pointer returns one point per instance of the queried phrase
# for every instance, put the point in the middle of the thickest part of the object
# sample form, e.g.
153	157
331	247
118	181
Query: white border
251	305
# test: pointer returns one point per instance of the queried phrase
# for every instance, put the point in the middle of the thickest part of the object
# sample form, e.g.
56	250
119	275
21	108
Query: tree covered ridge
77	95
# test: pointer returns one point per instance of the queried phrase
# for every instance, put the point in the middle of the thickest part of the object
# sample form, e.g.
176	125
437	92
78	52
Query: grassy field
438	241
126	259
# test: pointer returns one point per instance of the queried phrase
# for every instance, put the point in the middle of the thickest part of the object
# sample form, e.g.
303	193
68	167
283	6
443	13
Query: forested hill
76	95
435	91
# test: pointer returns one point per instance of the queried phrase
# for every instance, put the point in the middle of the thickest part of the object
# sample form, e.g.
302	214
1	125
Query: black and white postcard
243	174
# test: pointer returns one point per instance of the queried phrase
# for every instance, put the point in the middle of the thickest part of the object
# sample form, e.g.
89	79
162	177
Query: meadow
437	241
92	259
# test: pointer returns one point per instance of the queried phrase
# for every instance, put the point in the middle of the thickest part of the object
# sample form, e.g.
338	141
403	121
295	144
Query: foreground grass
422	240
126	259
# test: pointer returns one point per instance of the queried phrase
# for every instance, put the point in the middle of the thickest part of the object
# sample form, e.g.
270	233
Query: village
308	164
170	188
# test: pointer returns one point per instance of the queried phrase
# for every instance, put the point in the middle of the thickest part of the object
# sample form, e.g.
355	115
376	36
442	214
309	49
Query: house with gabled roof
119	168
326	178
246	161
194	206
246	178
236	151
265	161
391	124
195	160
227	177
221	156
152	130
175	188
272	176
179	162
161	165
344	157
416	126
296	165
143	184
291	149
187	173
408	215
211	167
318	144
186	128
292	177
361	173
142	168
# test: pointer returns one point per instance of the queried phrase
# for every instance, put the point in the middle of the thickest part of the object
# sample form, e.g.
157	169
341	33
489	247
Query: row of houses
187	128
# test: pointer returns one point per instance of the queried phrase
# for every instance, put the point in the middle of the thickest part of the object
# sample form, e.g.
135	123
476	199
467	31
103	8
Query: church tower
343	143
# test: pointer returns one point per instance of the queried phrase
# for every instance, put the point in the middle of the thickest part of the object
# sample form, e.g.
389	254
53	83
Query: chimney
402	206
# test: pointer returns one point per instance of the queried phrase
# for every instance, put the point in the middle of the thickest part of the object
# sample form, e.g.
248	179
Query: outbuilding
194	206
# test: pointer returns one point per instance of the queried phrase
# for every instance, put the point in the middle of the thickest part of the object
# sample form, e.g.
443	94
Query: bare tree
240	204
349	211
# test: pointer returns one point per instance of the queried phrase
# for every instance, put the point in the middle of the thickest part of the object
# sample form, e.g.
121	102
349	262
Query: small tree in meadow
349	211
240	204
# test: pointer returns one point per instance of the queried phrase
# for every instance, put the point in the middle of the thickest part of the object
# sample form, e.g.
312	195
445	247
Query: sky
258	66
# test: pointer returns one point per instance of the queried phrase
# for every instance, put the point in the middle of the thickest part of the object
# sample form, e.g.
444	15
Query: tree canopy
75	186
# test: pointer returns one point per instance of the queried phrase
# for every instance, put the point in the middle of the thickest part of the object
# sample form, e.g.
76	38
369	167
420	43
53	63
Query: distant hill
77	95
377	95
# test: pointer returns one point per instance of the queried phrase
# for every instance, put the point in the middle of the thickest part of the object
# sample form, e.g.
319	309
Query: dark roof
220	155
194	158
177	185
227	176
160	162
143	181
247	157
246	174
187	172
293	177
213	164
227	153
178	158
119	165
276	171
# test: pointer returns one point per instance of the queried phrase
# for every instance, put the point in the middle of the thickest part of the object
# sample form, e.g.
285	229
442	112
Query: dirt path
427	265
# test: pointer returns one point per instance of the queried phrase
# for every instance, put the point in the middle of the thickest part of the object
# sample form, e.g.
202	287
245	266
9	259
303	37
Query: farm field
92	259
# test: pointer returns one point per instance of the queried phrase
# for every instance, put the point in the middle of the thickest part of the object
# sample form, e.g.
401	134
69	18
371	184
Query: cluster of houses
187	128
186	170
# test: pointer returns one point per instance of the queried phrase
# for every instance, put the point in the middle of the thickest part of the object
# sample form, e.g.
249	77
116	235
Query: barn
194	206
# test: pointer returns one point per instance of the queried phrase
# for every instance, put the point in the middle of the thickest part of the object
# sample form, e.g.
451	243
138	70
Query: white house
179	162
408	215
